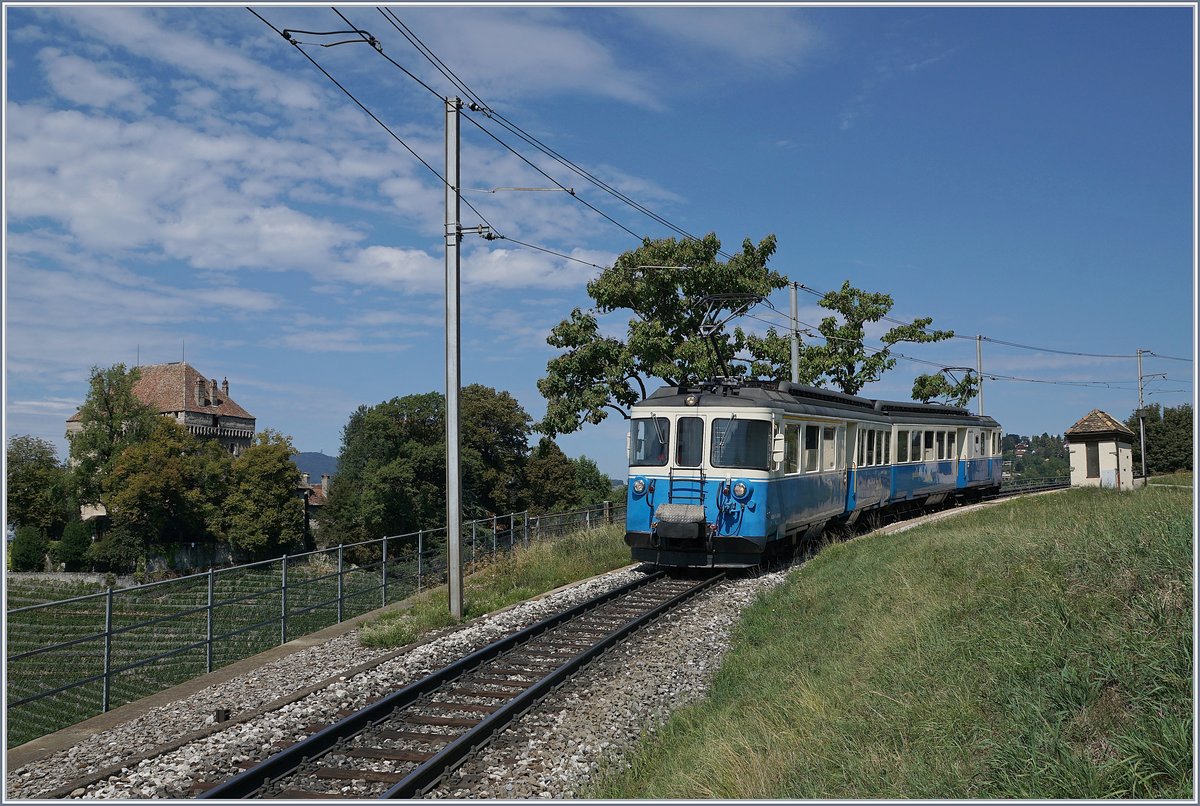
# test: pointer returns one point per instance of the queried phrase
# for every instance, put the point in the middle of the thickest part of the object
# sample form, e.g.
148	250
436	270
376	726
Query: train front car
699	466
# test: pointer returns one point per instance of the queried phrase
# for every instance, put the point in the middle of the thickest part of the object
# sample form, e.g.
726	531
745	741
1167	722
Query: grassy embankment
1038	649
527	572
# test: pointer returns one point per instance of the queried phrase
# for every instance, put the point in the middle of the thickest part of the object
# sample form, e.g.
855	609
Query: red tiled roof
1098	422
172	387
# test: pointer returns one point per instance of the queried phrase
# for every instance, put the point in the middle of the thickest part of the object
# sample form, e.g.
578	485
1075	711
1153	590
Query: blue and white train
727	474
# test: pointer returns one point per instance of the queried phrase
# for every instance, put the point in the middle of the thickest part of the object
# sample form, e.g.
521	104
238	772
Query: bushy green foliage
118	550
36	484
72	549
112	419
843	361
552	478
662	339
1046	456
262	516
167	487
1168	438
28	548
392	470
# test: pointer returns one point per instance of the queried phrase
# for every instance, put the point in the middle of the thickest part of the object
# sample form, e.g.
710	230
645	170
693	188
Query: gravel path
551	752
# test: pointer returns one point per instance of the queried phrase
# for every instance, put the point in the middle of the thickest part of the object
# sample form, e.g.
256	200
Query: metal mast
453	369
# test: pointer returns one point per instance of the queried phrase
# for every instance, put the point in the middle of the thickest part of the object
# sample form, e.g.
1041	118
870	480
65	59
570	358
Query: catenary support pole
979	369
453	355
795	334
1141	414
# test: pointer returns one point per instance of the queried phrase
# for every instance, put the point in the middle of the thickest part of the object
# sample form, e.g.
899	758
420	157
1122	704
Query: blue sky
183	176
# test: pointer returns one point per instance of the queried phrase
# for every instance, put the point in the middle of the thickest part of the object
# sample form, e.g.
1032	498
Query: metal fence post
420	551
383	572
208	660
108	602
474	524
340	572
283	604
525	529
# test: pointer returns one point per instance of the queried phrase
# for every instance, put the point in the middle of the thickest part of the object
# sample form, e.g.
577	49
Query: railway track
404	743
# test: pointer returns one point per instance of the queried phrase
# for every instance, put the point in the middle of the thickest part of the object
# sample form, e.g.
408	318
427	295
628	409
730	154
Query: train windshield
689	439
741	443
648	441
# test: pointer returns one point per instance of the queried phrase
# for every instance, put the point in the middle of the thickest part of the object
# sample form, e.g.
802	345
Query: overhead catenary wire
495	116
496	235
529	139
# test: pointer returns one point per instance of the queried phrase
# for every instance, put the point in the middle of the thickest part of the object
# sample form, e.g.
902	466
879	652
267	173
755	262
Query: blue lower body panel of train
696	521
714	523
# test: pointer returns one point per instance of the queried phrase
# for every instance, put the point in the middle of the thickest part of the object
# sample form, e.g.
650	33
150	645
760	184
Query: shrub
29	548
72	550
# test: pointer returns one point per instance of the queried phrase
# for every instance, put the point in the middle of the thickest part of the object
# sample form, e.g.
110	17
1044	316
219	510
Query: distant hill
315	463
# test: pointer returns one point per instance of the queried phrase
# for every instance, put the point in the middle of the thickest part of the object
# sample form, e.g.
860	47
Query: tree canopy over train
664	284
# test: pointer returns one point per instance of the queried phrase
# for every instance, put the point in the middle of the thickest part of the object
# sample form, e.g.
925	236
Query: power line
528	138
820	294
372	41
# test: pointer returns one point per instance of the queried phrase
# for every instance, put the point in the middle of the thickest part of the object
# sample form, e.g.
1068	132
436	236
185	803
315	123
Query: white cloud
753	38
140	33
514	53
86	82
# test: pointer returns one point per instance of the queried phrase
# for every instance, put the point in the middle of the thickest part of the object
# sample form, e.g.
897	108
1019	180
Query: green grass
1038	649
509	578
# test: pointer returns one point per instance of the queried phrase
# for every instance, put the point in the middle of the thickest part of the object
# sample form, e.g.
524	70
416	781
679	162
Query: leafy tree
552	478
1168	438
927	387
118	550
166	488
28	550
391	475
593	486
495	430
36	489
112	419
662	339
262	515
844	360
72	549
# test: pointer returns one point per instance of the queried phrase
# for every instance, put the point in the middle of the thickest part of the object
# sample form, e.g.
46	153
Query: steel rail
286	760
446	759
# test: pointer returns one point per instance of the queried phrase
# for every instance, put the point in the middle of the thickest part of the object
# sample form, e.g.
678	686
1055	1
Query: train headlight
639	486
692	400
741	490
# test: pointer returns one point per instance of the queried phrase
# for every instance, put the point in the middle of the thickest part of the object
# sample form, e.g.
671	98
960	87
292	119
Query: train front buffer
691	522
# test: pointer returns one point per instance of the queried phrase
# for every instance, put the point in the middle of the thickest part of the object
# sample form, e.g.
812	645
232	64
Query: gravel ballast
550	752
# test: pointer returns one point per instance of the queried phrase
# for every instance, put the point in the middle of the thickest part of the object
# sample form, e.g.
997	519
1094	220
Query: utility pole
795	335
1141	413
453	370
979	369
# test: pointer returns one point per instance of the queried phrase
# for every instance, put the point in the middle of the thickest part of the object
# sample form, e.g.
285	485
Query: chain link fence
72	659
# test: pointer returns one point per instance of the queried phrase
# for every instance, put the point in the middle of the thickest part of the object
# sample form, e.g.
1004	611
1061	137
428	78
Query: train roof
812	400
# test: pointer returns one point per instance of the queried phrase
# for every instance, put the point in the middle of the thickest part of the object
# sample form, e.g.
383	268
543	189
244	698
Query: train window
741	443
951	453
812	448
885	452
829	447
841	447
862	447
901	446
983	443
941	444
928	454
649	437
689	449
791	449
870	459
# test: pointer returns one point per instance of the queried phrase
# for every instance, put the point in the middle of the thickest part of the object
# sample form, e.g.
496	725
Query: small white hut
1101	452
